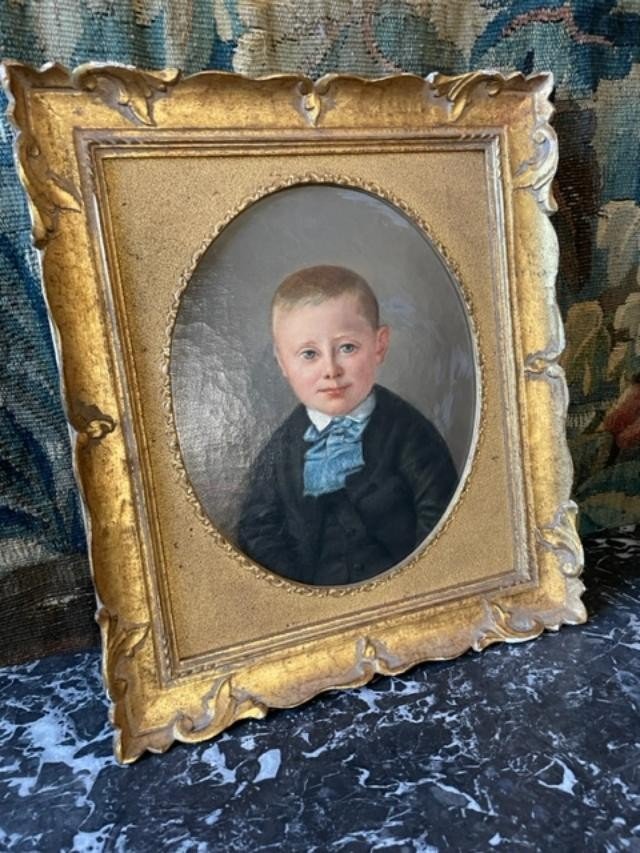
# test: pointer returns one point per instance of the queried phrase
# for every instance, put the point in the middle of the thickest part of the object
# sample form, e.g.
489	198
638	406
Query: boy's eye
308	354
348	348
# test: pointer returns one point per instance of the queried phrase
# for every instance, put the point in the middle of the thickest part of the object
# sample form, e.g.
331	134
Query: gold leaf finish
121	641
501	626
465	90
130	176
313	96
561	535
132	93
51	192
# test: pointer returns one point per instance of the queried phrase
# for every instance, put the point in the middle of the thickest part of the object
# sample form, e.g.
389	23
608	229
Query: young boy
355	478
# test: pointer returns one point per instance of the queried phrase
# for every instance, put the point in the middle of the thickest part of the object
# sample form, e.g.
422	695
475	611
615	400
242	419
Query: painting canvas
243	442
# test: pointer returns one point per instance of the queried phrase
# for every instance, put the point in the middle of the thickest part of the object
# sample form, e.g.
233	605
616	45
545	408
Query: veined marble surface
529	747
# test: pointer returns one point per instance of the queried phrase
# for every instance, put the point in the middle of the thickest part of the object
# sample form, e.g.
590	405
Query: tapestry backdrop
592	49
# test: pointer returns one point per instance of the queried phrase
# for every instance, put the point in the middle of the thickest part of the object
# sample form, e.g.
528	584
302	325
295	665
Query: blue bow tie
335	452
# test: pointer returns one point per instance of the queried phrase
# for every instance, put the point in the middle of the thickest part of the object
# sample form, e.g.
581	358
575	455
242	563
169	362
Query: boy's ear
277	358
382	343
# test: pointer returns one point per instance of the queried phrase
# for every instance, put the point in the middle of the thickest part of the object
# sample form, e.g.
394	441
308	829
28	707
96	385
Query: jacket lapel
373	450
308	507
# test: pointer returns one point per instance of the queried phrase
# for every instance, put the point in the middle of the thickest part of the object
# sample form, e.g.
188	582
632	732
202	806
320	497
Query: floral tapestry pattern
593	49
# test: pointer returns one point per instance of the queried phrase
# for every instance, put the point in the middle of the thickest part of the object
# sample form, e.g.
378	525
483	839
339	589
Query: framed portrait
308	344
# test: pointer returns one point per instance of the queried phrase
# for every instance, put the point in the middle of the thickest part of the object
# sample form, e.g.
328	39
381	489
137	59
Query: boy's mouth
334	392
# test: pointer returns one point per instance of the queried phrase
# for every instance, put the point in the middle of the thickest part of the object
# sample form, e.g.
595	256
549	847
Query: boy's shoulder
397	408
405	430
398	421
390	399
295	423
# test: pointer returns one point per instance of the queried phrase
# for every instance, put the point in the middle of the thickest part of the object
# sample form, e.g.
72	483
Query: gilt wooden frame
85	142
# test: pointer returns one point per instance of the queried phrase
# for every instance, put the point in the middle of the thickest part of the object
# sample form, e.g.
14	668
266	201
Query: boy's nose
332	368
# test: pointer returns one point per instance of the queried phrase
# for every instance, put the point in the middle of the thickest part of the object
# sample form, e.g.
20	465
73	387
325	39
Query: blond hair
314	285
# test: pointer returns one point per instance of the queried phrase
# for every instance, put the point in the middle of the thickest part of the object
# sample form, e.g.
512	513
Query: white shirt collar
362	411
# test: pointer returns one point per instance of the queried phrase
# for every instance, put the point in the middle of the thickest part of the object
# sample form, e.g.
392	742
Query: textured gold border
56	112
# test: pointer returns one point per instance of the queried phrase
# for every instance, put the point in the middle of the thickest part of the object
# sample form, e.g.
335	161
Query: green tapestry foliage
591	47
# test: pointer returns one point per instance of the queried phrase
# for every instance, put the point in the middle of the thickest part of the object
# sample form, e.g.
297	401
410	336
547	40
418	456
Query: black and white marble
523	747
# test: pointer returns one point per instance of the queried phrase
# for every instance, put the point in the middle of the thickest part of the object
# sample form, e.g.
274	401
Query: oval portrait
324	384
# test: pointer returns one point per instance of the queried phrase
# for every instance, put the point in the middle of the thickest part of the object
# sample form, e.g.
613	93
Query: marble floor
528	747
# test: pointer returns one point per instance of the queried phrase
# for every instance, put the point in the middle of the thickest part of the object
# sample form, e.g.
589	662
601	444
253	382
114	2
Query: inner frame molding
131	175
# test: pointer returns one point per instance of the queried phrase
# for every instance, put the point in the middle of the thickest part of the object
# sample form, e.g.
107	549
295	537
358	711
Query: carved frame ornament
131	175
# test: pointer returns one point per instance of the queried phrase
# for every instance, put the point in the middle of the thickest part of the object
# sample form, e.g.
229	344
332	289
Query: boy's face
329	353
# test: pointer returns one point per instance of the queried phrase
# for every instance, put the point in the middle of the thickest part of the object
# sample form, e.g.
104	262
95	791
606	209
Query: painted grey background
228	392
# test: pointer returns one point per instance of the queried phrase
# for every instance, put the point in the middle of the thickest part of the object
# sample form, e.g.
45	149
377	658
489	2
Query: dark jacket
384	511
